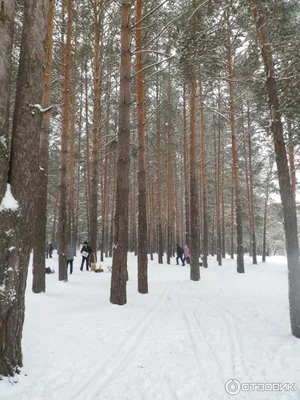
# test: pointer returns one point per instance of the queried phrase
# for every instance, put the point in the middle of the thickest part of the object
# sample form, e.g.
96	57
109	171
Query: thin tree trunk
6	42
87	149
264	247
119	266
232	219
142	197
105	197
169	179
158	178
113	201
236	172
78	173
186	177
194	269
252	227
21	175
287	197
63	271
219	177
71	199
203	172
97	5
40	219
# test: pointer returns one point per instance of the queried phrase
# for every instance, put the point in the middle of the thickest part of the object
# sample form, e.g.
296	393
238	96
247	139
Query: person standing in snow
180	254
70	257
50	249
85	251
187	254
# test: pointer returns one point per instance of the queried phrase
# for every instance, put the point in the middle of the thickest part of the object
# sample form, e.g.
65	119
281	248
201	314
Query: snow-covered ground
182	341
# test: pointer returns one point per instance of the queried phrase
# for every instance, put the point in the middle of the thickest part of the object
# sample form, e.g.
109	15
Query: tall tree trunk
119	266
194	269
203	172
232	219
78	159
186	178
106	197
87	149
17	216
40	218
71	197
142	217
169	169
236	171
219	177
113	148
264	247
63	271
97	4
287	197
158	178
223	199
6	35
252	227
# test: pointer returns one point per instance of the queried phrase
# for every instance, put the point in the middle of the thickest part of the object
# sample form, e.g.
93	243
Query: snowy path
182	341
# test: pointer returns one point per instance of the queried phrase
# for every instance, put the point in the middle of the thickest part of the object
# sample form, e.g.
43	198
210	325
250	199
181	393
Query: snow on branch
38	107
149	13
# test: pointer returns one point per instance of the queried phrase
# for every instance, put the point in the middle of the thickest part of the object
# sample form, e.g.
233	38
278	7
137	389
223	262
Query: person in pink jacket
186	254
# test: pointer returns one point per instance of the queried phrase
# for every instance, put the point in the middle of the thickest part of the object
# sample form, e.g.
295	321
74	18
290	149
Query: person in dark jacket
70	257
50	249
180	254
85	251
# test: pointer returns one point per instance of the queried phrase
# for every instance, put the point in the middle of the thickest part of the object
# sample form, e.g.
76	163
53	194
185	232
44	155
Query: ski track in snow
116	361
182	341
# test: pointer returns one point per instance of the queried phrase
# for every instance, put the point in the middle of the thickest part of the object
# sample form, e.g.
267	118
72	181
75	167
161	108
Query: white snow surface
182	341
9	202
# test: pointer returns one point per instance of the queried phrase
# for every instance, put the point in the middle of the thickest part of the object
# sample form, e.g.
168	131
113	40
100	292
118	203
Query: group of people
182	254
86	252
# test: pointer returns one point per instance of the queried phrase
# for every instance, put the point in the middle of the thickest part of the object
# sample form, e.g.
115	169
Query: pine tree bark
265	222
142	215
236	172
194	269
71	194
203	172
40	219
218	183
158	178
119	265
186	177
97	5
63	216
291	149
252	227
286	194
6	35
21	177
106	188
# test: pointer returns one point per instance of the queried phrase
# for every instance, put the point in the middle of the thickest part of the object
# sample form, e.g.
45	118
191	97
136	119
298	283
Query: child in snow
187	254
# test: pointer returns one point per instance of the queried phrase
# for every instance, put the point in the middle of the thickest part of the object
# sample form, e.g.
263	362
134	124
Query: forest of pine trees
137	125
